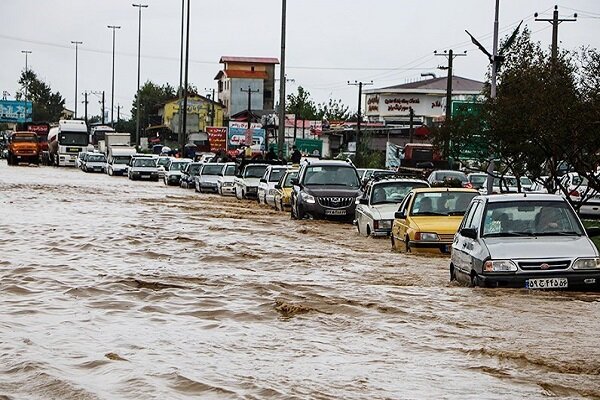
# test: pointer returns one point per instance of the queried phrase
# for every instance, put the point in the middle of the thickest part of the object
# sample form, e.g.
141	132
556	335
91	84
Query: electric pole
449	54
359	113
249	91
103	122
26	52
555	21
281	131
212	108
411	129
180	91
118	113
76	56
137	106
85	102
183	139
112	90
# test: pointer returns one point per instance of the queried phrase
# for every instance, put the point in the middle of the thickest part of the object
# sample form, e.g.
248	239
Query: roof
249	60
497	198
458	83
236	73
443	189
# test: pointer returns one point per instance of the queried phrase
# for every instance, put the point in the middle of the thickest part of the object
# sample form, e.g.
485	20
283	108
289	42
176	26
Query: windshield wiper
564	233
508	234
430	213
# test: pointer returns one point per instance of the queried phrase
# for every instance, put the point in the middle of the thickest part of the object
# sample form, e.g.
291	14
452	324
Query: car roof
188	160
393	179
443	189
329	162
498	198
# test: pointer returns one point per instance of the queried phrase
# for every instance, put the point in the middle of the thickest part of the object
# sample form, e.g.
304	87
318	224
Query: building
240	74
199	109
427	98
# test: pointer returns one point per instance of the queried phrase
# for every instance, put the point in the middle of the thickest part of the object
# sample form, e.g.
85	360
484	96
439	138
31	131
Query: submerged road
112	289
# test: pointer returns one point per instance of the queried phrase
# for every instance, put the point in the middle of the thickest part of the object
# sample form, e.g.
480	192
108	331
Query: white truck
118	159
66	141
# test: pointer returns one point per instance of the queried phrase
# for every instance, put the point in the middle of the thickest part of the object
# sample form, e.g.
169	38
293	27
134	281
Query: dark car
325	189
189	174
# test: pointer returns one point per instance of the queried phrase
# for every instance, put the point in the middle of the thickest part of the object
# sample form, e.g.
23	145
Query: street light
76	56
137	106
26	52
112	91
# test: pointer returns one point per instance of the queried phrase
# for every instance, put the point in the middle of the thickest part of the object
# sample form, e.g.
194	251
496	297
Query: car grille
336	202
548	265
448	237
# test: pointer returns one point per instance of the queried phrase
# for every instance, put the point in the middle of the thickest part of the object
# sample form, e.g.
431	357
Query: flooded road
112	289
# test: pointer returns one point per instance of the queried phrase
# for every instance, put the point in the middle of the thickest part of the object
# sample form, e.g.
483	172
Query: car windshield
331	175
163	161
276	174
393	192
507	181
177	166
121	159
530	218
579	181
96	158
24	138
450	175
255	171
74	138
144	162
442	203
477	179
525	181
229	170
212	169
288	179
194	169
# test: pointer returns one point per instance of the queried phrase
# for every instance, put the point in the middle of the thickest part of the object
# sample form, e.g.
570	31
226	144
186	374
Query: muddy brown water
112	289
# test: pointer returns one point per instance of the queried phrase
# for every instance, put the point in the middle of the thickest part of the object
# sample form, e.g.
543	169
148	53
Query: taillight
574	193
375	224
469	185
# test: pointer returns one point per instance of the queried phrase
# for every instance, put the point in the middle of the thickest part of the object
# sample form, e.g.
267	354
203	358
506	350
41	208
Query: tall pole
183	138
180	131
112	91
249	91
26	52
137	105
495	55
103	108
359	112
118	113
85	102
555	21
76	56
281	132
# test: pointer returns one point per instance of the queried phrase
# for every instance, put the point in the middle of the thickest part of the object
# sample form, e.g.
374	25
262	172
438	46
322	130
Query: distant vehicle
206	157
67	140
441	177
173	170
206	181
538	185
142	168
117	161
476	180
427	219
325	189
189	175
225	181
161	163
533	241
23	147
378	204
94	162
97	135
578	190
526	183
419	155
266	185
367	173
505	184
283	190
246	183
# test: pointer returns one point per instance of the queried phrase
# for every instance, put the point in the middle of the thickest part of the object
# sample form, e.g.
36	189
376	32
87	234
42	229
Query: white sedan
266	186
225	184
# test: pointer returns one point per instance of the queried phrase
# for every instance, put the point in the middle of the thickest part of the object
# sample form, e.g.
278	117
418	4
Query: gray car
533	241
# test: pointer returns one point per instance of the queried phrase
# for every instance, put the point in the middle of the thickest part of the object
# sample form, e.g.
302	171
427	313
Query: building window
268	94
252	68
220	86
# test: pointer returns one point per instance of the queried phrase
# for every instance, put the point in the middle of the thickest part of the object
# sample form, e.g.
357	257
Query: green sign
310	147
476	147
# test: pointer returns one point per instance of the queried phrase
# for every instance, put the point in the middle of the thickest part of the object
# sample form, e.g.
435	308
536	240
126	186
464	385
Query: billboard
217	137
310	147
13	111
239	135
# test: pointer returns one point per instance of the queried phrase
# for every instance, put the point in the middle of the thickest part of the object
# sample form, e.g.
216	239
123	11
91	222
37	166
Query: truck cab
23	147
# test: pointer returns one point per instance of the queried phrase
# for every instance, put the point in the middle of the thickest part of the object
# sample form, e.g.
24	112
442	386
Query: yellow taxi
283	190
428	218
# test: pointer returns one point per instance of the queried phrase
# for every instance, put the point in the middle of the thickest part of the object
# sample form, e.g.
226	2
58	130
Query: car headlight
307	198
499	266
427	236
587	263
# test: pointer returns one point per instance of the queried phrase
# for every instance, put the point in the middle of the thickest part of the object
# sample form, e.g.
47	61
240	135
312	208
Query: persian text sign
217	137
13	111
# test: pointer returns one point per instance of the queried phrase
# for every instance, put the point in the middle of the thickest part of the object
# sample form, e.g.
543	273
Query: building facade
241	75
199	114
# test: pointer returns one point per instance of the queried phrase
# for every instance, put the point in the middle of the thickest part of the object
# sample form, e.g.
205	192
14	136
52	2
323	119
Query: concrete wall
239	100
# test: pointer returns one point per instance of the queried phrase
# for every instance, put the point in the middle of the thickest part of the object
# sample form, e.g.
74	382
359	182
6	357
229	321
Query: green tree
333	110
47	105
301	105
152	97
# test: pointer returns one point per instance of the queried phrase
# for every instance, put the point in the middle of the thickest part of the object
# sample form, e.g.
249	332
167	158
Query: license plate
335	212
547	283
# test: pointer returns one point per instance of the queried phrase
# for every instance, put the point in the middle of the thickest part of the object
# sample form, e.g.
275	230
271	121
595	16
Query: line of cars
529	240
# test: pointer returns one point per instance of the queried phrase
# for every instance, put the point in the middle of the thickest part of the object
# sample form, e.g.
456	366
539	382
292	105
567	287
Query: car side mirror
363	200
470	233
277	186
593	231
400	215
263	180
295	181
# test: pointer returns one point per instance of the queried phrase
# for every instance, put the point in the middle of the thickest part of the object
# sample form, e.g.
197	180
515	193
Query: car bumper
140	175
436	247
318	211
209	186
251	191
173	179
588	280
228	190
381	232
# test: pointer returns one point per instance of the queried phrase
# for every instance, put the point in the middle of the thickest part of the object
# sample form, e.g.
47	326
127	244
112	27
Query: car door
359	213
263	186
468	249
400	225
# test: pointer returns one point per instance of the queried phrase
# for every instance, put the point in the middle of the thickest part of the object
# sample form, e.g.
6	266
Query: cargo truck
66	141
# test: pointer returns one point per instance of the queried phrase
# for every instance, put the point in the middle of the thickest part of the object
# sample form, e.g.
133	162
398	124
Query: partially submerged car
173	170
378	204
428	219
142	168
533	241
246	183
206	181
266	186
189	174
94	162
442	177
283	190
225	184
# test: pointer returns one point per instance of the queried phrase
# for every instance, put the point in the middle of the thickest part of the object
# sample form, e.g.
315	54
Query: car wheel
368	231
475	281
110	172
299	213
452	273
407	245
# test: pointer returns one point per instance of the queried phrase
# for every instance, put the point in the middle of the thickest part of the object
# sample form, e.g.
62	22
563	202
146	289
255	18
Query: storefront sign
398	104
12	111
310	147
236	137
217	138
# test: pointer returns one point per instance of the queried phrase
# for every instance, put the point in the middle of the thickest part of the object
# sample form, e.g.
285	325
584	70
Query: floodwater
112	289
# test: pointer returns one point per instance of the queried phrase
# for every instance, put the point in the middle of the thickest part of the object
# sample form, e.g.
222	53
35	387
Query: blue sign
237	137
13	111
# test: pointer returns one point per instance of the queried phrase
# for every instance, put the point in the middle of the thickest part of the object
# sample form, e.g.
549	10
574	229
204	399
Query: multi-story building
241	74
199	114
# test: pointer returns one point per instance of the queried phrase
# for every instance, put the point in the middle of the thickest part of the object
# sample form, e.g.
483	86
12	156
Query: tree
47	105
301	105
333	110
152	97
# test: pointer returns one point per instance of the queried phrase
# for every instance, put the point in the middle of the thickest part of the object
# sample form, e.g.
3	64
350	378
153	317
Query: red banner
217	138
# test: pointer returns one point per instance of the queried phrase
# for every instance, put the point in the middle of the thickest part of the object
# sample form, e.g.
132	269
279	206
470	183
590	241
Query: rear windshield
144	162
449	175
212	169
276	174
393	192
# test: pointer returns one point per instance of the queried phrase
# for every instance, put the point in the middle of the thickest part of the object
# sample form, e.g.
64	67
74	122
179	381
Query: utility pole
137	106
183	138
118	113
103	122
359	113
112	90
281	132
555	21
85	102
449	54
26	52
76	56
180	131
411	129
249	91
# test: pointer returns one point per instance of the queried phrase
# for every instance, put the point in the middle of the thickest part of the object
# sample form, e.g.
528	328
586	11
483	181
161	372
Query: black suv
325	189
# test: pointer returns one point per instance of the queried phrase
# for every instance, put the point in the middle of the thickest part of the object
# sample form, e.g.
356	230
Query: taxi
283	190
428	218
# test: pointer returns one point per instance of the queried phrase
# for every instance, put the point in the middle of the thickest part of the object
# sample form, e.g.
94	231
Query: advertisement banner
310	147
217	137
236	137
13	111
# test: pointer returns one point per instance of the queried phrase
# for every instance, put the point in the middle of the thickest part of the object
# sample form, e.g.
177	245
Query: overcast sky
329	42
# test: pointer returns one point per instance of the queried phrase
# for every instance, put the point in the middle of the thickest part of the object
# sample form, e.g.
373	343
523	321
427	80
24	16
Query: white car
225	184
577	187
161	163
206	181
142	168
173	170
246	183
206	157
117	164
509	185
80	158
266	186
375	210
94	162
